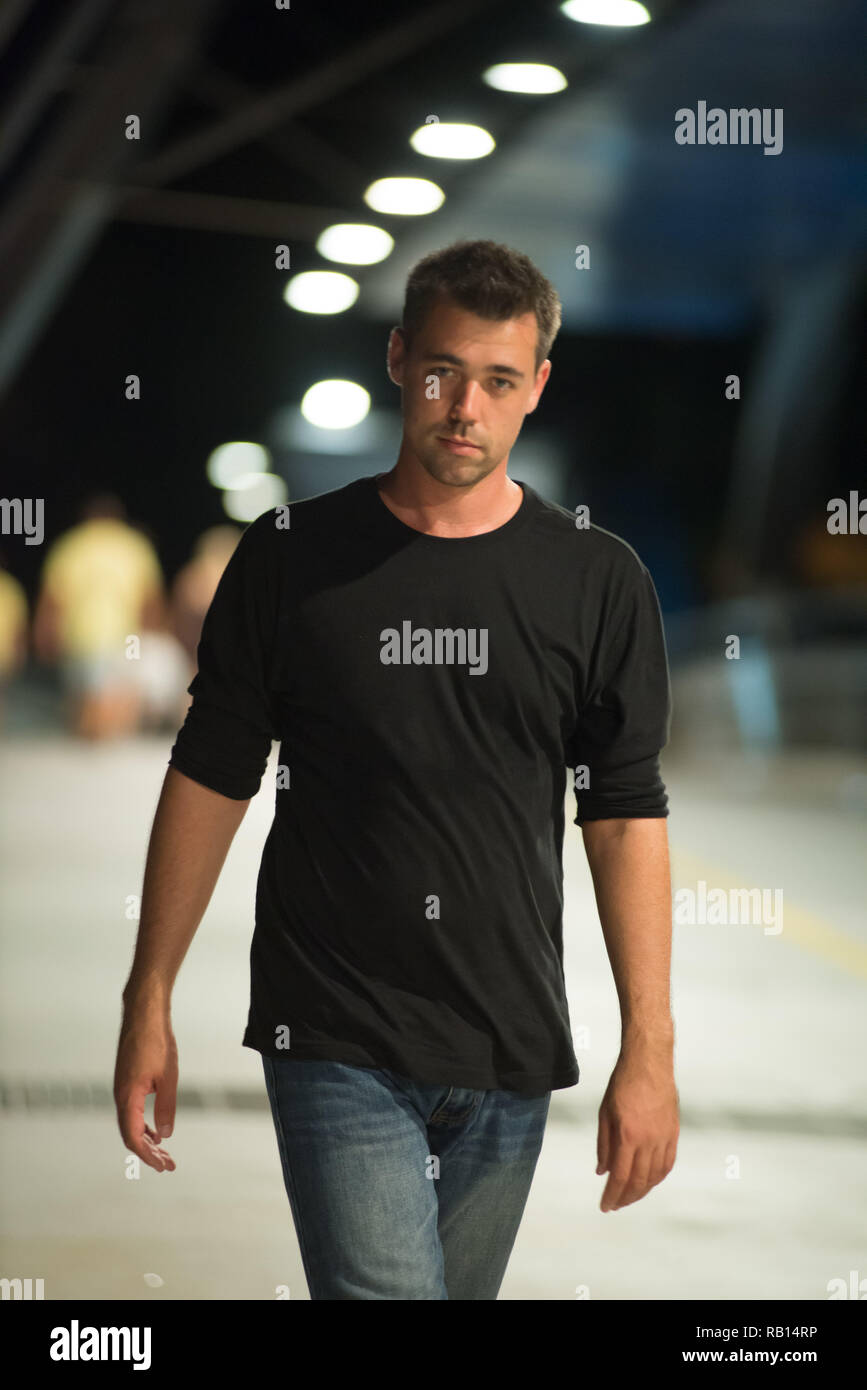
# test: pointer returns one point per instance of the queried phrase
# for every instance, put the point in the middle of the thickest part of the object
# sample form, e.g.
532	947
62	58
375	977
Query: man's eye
504	379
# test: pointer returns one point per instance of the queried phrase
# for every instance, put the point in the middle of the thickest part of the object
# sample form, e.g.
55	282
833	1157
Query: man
433	646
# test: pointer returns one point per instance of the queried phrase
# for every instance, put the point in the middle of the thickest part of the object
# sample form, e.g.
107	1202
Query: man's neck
438	510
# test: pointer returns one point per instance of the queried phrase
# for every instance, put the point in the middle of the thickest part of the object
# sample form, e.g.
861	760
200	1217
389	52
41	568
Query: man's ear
541	380
396	354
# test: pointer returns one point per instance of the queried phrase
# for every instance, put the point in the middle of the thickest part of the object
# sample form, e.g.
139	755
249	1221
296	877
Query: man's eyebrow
501	368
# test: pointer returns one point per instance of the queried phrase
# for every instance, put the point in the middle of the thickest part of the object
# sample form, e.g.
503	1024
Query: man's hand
147	1061
638	1126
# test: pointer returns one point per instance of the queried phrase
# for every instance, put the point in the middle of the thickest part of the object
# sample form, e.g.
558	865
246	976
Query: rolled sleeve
626	718
225	740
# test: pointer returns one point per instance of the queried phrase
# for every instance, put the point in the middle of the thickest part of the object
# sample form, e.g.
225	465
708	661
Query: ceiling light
255	494
537	78
354	243
230	461
321	292
335	404
446	140
408	197
617	12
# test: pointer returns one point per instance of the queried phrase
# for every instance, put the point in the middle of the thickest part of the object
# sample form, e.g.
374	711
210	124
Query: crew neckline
508	528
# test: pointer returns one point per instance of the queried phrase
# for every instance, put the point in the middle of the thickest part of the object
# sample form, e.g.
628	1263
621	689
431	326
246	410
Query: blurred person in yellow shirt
101	587
14	616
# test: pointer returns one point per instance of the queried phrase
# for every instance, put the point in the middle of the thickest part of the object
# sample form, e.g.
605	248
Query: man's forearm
192	831
631	876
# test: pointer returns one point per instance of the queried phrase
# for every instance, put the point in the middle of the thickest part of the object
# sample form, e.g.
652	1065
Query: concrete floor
770	1042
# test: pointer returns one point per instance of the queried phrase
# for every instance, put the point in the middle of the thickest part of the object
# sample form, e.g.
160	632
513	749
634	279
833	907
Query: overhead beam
42	81
294	144
12	15
209	212
51	223
426	25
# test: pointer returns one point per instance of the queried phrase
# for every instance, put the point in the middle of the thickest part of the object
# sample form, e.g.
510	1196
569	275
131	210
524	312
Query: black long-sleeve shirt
429	695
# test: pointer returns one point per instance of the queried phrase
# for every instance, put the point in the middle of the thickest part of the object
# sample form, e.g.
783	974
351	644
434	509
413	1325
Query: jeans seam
463	1116
433	1118
287	1173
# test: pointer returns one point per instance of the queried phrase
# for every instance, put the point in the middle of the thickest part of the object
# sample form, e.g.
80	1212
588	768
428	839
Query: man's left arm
638	1118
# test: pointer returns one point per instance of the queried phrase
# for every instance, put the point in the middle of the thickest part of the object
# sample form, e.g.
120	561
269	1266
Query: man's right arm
192	831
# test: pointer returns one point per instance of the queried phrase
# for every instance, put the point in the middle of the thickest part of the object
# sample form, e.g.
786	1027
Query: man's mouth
458	445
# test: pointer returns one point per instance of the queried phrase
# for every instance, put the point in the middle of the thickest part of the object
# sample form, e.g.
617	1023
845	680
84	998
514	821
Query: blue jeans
401	1190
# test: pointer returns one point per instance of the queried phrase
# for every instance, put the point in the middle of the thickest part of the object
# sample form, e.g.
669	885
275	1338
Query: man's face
470	379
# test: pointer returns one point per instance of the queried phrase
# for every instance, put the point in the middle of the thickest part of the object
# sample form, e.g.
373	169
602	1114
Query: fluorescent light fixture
354	243
254	494
537	78
321	292
231	461
447	140
335	404
407	197
621	13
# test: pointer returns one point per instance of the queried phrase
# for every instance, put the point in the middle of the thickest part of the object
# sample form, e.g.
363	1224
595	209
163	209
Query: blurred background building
210	213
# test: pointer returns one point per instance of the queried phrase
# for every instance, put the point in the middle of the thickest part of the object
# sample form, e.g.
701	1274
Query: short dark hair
491	280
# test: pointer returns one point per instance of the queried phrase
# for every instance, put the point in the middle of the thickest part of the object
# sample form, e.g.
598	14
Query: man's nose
465	402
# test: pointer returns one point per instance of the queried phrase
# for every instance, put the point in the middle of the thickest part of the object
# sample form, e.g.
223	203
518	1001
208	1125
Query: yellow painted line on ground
807	930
